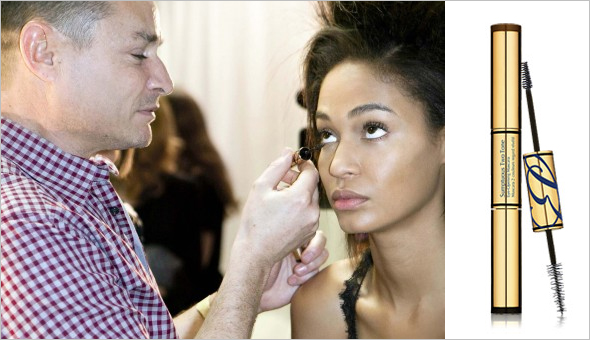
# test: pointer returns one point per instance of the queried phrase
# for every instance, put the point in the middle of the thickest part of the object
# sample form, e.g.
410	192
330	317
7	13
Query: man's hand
287	275
275	222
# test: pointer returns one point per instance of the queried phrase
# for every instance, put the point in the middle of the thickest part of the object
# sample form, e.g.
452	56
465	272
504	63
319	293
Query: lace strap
349	295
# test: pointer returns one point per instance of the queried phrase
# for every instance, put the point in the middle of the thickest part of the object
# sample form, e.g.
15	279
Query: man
82	77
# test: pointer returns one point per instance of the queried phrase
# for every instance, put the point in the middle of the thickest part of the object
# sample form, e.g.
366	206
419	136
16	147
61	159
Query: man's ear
37	41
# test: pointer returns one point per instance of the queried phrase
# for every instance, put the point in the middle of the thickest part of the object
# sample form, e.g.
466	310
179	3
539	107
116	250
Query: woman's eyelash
371	131
377	125
321	134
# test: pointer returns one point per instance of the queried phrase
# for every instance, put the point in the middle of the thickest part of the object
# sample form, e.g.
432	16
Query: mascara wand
303	154
543	194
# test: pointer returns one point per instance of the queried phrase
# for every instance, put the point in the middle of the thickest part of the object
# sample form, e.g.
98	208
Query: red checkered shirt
69	267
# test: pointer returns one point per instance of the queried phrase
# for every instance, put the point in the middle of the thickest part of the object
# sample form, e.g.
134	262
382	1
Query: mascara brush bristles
554	271
526	76
527	84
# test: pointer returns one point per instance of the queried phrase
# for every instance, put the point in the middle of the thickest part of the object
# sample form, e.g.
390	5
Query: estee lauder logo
543	194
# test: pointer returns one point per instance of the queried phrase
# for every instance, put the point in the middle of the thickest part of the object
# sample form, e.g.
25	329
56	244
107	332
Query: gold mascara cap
506	27
539	174
506	77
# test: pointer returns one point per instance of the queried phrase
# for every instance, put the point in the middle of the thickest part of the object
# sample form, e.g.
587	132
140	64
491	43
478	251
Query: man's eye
139	56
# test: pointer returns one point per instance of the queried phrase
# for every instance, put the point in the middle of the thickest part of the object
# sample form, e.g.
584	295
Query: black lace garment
351	293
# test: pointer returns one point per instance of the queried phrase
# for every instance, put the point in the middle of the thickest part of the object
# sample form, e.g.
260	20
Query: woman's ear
37	40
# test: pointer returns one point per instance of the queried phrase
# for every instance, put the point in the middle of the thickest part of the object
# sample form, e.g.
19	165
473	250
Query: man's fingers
314	247
290	177
304	272
308	177
276	170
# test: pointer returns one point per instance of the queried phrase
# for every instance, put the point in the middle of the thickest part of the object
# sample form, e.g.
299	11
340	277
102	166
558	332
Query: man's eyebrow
150	38
359	110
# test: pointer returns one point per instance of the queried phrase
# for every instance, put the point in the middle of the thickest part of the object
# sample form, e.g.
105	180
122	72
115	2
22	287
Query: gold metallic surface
505	81
505	168
506	258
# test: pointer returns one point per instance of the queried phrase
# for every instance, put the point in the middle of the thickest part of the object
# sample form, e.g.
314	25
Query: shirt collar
46	163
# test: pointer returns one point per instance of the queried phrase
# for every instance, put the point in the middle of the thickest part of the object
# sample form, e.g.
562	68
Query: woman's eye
326	137
374	130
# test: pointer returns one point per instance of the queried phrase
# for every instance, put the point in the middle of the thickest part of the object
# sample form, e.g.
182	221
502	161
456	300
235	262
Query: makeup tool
539	173
505	164
304	154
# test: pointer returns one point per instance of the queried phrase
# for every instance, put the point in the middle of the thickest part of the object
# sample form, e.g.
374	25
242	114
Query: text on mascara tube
505	168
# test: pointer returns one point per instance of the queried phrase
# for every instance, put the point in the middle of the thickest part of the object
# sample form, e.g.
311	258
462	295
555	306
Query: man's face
107	94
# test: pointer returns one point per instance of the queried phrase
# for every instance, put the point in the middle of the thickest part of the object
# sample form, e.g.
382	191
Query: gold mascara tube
506	202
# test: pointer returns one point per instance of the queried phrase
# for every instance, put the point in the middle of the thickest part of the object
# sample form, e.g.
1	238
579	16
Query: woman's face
380	165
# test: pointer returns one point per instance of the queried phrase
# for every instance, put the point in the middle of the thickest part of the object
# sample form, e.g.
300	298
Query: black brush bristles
554	271
526	77
527	84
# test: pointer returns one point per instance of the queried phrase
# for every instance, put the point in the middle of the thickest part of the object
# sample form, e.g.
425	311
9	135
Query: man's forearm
234	309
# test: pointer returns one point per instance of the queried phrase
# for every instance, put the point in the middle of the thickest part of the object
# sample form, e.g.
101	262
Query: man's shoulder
23	196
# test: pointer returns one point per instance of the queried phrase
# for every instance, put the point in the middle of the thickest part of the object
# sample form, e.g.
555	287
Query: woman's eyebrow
358	110
369	107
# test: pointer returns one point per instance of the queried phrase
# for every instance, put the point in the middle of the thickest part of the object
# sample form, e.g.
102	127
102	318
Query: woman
374	91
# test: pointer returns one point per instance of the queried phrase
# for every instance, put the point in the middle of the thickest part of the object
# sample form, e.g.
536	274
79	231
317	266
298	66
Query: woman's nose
344	161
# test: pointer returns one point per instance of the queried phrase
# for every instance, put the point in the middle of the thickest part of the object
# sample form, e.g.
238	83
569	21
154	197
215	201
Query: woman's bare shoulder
315	308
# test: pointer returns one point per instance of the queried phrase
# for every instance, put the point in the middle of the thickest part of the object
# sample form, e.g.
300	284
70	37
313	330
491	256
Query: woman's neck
409	259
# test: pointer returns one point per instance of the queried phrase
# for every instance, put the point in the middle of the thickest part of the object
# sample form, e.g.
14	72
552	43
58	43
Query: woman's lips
347	200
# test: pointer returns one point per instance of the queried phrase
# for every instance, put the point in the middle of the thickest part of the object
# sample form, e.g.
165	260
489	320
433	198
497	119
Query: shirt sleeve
57	283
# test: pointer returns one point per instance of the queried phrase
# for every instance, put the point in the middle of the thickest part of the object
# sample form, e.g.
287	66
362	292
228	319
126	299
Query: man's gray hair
75	19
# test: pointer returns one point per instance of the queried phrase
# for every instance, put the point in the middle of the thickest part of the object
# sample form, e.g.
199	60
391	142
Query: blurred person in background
181	216
200	162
